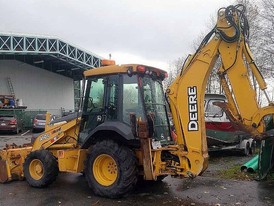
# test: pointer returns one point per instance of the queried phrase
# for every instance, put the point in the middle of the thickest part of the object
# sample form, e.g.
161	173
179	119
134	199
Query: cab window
131	99
94	99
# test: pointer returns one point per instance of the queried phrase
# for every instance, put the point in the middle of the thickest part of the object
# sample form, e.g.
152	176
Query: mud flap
266	158
147	159
143	134
3	171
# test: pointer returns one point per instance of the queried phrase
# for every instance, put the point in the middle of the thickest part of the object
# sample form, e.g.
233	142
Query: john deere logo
192	109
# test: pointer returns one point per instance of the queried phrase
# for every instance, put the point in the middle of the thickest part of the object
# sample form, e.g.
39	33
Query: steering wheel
91	105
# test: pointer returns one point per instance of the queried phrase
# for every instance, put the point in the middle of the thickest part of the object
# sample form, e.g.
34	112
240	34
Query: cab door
94	112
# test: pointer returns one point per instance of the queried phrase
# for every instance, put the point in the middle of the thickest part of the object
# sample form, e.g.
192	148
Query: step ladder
10	86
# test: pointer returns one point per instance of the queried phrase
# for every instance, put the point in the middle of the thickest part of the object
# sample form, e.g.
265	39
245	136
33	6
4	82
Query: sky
151	32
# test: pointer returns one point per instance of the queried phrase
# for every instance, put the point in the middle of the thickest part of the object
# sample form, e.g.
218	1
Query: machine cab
117	97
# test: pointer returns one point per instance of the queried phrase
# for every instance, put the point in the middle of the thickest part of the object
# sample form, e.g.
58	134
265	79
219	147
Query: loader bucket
11	162
3	172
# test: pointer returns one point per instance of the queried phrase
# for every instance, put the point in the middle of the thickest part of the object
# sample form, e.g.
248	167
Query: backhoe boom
227	42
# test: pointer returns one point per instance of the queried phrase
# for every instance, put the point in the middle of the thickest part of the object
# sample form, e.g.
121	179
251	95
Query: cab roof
114	69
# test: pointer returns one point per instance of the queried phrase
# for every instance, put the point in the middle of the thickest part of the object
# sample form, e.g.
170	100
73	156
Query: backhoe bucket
11	162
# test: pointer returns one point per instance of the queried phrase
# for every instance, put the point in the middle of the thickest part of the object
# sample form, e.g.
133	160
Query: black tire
161	178
16	131
247	149
48	166
125	165
34	131
158	180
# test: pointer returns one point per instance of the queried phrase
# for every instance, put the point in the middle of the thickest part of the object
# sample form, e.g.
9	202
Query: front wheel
111	169
40	168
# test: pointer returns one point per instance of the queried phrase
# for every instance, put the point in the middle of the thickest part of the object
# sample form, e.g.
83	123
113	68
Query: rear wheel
111	169
40	168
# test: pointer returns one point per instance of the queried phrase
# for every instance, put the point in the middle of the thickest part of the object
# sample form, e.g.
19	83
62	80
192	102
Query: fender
123	130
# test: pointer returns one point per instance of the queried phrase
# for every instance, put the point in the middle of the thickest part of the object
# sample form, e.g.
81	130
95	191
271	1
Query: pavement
19	139
72	189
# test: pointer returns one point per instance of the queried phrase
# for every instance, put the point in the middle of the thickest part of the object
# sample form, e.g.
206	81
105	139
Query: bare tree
252	14
267	36
261	20
213	85
260	15
175	68
256	33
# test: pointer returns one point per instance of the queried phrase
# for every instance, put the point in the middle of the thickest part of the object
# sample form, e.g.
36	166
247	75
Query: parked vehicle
10	122
221	134
39	122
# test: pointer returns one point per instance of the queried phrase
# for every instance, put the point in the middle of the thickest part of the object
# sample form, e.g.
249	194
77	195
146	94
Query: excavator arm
227	43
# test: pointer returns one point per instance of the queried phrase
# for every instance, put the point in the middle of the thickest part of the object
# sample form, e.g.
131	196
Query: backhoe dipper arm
226	41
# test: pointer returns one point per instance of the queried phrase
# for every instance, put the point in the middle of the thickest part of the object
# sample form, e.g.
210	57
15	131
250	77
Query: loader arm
60	136
227	42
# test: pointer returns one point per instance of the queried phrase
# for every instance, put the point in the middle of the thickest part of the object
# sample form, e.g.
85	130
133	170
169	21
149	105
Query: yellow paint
14	158
105	170
71	160
36	169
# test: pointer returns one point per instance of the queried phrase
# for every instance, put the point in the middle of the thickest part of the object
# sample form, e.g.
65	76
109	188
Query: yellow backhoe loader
123	132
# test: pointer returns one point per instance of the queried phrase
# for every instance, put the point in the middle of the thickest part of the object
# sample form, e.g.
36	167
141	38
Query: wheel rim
36	169
105	170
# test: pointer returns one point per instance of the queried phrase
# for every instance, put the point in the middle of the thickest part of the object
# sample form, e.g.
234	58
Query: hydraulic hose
229	16
240	27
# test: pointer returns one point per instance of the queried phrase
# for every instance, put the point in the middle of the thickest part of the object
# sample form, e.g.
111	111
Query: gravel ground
223	160
18	139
